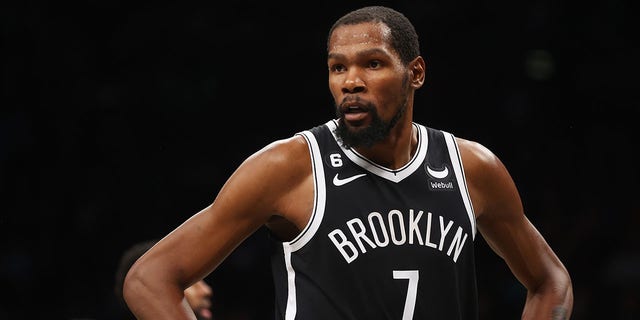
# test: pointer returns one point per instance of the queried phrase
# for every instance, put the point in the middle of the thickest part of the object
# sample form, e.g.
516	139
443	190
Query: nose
353	82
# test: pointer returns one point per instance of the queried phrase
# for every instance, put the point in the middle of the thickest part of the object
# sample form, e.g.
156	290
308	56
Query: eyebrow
360	53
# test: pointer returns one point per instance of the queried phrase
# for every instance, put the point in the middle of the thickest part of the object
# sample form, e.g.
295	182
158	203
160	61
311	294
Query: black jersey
381	243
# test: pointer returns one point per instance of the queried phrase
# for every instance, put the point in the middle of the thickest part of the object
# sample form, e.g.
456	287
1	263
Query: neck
397	149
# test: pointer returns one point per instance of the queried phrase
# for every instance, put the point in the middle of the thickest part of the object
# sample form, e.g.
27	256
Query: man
197	296
376	214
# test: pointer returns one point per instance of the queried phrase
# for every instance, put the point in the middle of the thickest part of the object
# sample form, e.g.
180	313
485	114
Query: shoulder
282	183
490	184
278	167
287	155
268	177
282	152
476	156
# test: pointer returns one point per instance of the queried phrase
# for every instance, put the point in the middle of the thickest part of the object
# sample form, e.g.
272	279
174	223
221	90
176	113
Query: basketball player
376	214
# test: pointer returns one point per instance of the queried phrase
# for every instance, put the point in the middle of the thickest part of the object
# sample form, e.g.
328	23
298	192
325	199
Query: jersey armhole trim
458	168
319	194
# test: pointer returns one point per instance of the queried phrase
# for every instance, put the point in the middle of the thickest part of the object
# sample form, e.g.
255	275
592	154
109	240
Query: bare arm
257	190
503	224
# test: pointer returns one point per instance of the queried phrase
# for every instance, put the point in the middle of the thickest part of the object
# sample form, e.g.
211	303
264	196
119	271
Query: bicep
522	247
501	219
245	203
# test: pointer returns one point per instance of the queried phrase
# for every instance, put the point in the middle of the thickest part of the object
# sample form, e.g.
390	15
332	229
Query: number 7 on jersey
412	290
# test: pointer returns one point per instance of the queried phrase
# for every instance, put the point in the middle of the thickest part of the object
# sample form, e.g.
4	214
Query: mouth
353	111
355	116
352	108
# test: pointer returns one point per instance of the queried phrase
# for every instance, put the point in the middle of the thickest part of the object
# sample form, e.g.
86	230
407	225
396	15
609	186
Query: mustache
350	100
354	101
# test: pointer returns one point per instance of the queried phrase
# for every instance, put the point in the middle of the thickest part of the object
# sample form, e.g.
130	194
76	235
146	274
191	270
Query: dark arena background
119	120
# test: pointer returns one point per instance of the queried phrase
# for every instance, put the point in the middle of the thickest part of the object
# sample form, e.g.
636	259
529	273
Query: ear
417	69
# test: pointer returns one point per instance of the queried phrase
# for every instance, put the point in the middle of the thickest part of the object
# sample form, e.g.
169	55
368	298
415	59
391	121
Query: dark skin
274	187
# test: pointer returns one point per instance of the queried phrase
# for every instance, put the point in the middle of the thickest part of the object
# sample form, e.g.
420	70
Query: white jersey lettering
379	231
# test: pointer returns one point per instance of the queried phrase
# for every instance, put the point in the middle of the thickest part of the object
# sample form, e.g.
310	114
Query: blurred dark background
119	120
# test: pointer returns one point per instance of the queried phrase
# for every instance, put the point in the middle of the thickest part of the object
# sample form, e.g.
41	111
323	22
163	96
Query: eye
337	68
374	64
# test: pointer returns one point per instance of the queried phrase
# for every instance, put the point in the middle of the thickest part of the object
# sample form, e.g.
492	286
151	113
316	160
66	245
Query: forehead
362	35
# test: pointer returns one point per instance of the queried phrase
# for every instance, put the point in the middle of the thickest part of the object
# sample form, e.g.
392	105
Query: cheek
388	92
336	89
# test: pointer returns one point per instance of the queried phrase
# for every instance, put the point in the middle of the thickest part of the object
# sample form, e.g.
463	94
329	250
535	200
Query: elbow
558	284
561	289
563	285
568	290
134	287
552	298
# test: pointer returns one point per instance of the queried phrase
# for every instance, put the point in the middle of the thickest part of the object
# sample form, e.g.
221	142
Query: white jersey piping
458	168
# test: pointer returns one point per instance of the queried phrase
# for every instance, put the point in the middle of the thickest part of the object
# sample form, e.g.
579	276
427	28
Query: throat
395	152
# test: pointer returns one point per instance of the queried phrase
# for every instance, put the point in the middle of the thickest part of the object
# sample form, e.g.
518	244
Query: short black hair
403	39
127	259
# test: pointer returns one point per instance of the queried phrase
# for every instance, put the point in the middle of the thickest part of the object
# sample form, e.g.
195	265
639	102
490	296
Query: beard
375	132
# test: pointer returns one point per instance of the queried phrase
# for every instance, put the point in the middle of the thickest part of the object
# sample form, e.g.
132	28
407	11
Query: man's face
368	81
